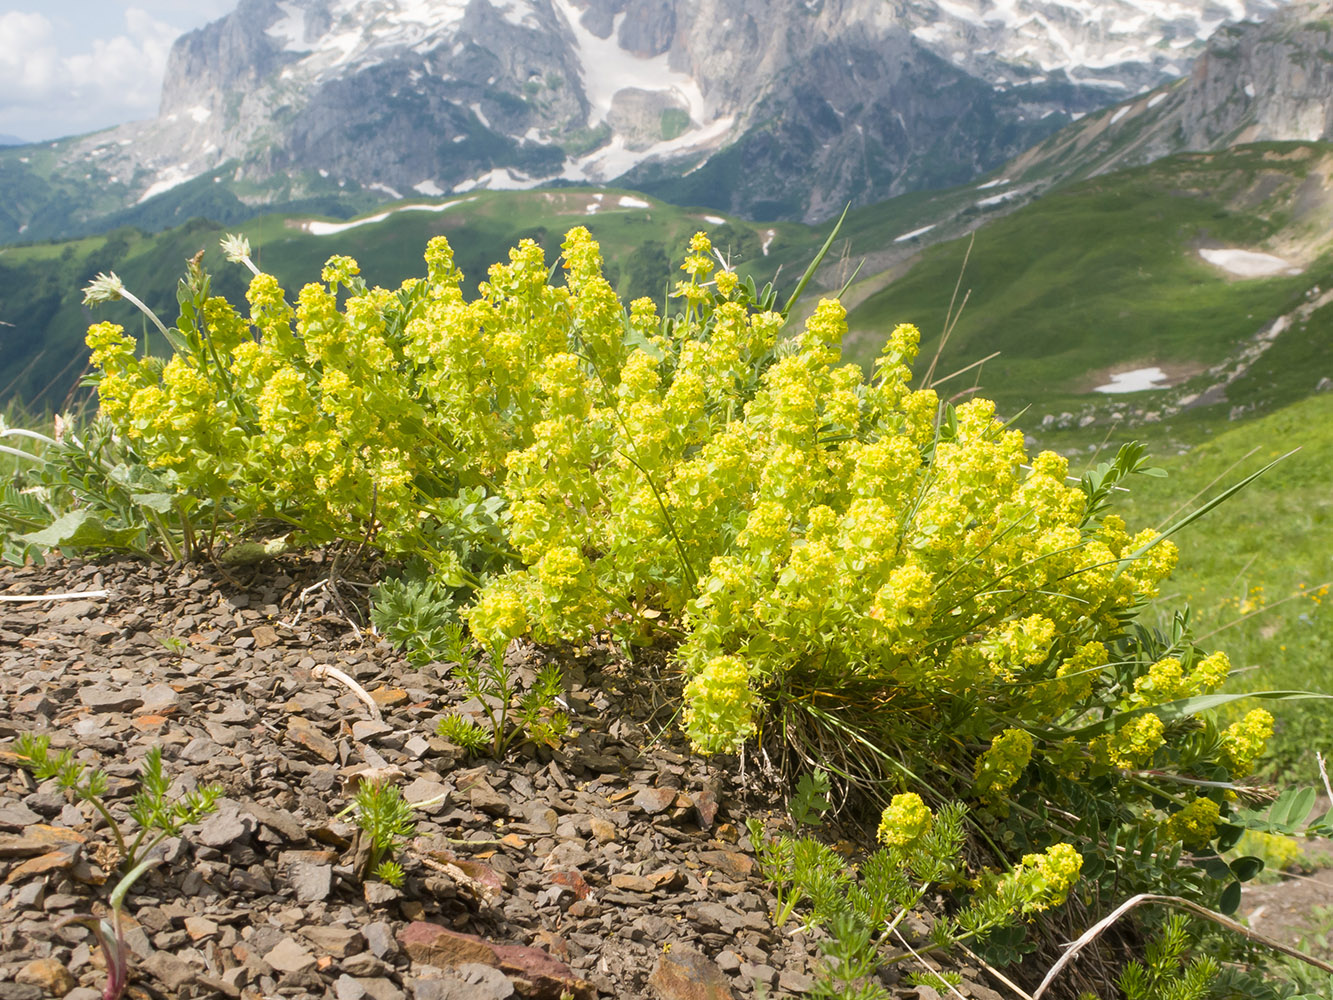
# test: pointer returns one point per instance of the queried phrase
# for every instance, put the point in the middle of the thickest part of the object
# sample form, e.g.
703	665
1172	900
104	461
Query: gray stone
791	981
470	981
224	827
15	816
311	883
380	893
170	971
380	939
202	750
715	915
336	941
104	698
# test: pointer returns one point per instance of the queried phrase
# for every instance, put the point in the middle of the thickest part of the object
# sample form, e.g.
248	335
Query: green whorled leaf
1230	900
1247	867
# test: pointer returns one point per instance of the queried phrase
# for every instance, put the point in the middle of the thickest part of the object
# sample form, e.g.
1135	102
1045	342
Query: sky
73	66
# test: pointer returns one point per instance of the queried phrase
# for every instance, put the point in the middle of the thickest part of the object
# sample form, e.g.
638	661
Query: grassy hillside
1258	570
1106	275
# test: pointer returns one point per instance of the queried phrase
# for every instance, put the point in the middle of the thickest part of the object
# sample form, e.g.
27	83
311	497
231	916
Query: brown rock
51	861
602	831
431	944
632	883
48	974
264	636
386	697
535	974
685	974
149	723
37	839
301	732
655	800
731	863
705	806
200	927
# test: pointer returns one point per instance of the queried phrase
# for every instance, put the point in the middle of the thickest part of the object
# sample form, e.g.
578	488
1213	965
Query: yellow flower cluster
904	821
1133	744
1195	825
1043	880
1000	766
1243	742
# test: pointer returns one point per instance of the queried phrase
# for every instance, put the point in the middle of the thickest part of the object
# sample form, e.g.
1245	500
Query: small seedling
511	716
811	800
386	818
174	644
155	814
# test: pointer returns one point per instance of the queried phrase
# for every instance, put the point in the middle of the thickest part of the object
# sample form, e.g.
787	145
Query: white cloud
48	90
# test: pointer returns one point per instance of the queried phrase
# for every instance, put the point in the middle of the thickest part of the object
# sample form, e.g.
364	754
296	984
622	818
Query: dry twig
325	672
1097	929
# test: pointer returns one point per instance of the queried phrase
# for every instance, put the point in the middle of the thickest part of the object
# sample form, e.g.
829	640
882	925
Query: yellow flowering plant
850	569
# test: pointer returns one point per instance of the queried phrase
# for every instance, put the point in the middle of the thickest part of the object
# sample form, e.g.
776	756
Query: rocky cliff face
789	110
1269	81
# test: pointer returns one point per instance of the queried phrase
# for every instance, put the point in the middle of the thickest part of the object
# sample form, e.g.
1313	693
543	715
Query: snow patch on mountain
607	69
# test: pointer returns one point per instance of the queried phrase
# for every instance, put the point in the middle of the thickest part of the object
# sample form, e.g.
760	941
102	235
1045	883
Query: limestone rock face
1255	82
787	109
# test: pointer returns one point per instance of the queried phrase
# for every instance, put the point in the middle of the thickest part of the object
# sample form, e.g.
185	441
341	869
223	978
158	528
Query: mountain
1269	81
788	113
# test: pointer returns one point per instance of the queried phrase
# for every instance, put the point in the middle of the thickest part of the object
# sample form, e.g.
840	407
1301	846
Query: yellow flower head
905	821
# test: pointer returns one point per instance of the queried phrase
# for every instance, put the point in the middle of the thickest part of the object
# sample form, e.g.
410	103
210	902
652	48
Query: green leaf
82	529
162	503
1291	808
814	264
1230	900
1229	835
1172	710
1247	867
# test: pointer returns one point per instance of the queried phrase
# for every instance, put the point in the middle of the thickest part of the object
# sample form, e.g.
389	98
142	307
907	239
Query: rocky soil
616	866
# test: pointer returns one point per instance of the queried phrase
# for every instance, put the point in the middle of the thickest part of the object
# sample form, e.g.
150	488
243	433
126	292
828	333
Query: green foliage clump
156	814
851	569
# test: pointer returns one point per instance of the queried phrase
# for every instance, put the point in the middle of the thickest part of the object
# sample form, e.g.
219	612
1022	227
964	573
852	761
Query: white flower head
236	248
106	287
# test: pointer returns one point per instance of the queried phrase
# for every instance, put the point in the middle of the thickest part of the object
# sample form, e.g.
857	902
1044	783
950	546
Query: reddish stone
534	973
655	800
574	881
685	974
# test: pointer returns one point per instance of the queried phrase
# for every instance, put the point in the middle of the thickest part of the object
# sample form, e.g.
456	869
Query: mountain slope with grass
1153	267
